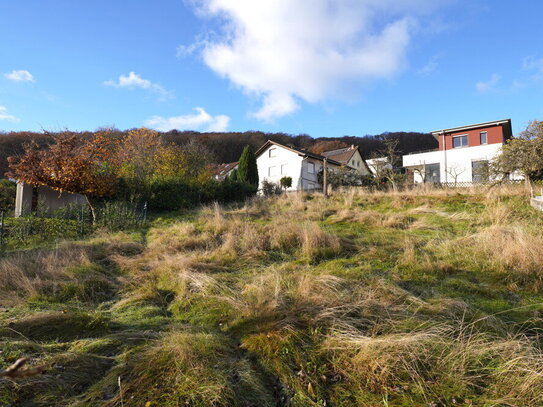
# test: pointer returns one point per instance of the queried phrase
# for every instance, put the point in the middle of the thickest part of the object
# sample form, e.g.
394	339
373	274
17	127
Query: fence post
144	220
1	229
81	220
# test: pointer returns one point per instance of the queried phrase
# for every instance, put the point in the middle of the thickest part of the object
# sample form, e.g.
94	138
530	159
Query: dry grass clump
304	239
496	213
439	365
510	251
31	273
365	217
192	368
182	236
64	273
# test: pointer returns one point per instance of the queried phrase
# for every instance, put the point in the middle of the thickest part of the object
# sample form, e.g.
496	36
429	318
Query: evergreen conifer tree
247	169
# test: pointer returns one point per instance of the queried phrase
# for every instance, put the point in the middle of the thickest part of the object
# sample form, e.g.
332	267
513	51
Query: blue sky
322	67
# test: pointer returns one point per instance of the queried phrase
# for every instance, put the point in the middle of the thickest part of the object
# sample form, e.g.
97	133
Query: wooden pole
325	178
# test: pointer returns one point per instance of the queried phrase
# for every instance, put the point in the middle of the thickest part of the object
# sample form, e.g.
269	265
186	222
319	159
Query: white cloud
199	121
133	80
20	76
4	115
488	86
311	50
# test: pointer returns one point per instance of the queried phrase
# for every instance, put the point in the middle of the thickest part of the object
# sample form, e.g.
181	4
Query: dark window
483	136
431	172
460	141
479	171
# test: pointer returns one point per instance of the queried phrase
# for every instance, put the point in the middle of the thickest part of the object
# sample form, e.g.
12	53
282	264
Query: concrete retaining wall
537	202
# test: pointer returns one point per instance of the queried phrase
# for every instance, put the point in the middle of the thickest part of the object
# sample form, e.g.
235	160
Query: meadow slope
422	298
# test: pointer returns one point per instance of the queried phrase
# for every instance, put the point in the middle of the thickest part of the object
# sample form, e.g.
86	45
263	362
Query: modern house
463	154
276	161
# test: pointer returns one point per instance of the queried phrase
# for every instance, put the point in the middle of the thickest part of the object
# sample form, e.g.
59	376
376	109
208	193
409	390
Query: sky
325	68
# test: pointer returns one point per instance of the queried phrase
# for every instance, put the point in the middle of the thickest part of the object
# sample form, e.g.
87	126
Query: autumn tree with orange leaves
71	164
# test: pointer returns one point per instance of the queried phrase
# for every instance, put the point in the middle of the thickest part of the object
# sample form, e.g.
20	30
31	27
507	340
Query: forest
228	146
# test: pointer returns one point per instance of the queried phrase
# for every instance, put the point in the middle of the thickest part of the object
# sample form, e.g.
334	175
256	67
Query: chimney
352	147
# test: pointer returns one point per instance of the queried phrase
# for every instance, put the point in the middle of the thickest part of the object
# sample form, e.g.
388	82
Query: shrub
34	229
118	215
7	195
176	193
286	182
271	188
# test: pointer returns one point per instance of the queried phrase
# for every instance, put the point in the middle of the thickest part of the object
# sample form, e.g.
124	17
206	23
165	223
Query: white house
276	161
463	154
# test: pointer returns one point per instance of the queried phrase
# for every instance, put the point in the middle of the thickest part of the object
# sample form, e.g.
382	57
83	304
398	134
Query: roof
299	151
222	170
344	155
473	127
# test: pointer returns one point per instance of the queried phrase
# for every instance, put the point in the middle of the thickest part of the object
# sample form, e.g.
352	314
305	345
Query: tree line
228	146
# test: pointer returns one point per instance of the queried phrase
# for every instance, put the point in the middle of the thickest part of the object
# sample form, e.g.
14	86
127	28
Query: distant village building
222	171
350	157
463	155
377	165
276	161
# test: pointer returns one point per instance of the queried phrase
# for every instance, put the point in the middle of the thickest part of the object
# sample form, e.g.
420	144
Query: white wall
380	162
455	161
357	163
285	163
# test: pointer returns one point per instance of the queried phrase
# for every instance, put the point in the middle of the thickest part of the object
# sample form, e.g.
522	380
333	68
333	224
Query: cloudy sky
321	67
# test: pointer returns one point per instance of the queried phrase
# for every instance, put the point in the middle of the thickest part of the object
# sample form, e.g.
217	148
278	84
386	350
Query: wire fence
71	222
470	184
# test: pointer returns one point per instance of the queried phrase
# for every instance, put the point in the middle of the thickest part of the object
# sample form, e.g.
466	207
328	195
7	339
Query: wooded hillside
227	147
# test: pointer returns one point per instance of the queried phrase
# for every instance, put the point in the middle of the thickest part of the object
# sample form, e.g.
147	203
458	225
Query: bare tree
386	163
455	171
523	155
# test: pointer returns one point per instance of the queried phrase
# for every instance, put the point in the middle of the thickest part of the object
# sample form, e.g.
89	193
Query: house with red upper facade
463	155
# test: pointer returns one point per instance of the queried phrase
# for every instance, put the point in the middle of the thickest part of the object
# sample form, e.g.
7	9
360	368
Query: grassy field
422	298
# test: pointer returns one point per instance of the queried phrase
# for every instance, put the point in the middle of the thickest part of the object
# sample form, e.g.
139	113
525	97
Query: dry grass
192	368
27	274
510	251
269	304
442	362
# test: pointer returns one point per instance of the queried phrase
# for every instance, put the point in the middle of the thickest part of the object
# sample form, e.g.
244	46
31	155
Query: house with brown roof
275	161
222	171
350	157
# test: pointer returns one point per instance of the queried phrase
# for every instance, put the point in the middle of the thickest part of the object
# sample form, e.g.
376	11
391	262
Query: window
311	168
483	137
273	152
431	172
272	171
460	141
283	169
479	171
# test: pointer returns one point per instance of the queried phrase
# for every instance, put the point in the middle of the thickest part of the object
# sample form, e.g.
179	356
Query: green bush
174	194
7	195
33	229
118	215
